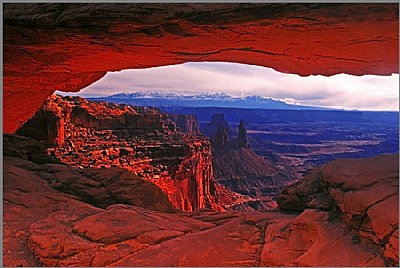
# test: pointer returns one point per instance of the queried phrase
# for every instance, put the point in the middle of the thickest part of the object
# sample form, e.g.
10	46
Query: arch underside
66	47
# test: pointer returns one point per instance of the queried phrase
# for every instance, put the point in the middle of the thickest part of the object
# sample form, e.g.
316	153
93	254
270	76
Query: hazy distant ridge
158	99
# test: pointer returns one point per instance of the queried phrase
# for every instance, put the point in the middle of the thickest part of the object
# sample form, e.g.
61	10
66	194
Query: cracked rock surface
46	227
364	192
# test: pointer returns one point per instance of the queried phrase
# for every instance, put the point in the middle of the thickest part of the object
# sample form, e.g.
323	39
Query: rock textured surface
242	136
51	47
187	123
315	239
46	227
141	140
98	187
30	179
364	191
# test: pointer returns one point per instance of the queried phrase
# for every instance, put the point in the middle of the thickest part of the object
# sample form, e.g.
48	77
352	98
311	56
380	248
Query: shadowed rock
45	227
242	135
187	123
221	137
217	121
242	171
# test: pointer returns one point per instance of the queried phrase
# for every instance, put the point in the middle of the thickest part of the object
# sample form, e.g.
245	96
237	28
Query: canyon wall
58	215
66	47
187	123
142	140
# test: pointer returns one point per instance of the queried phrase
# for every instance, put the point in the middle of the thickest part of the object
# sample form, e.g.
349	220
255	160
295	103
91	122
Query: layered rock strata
186	123
46	227
141	140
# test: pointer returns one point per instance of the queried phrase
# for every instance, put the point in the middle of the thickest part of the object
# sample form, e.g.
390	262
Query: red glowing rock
364	191
68	46
139	139
312	240
43	226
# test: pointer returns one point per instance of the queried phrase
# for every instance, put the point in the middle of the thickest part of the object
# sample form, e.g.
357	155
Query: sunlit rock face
363	191
66	47
88	134
49	219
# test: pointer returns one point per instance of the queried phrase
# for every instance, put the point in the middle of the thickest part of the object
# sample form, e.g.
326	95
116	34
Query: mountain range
224	100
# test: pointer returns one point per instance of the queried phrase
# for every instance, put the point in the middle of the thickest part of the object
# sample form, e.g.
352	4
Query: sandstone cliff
142	140
46	227
187	123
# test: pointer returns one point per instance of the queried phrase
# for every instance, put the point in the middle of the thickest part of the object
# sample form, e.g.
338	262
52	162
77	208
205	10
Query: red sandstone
89	134
49	48
67	47
43	226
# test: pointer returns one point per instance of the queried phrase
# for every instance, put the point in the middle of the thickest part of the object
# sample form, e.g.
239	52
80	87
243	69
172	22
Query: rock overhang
66	47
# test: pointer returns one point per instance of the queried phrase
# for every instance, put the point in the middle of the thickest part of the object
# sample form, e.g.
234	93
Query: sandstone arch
66	47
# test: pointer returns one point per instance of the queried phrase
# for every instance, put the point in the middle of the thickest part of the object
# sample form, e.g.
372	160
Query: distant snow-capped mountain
161	99
215	96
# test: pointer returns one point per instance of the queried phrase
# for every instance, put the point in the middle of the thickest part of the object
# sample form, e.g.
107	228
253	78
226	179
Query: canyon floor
306	139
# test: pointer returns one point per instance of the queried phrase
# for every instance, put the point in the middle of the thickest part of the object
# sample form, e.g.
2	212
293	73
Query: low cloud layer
339	91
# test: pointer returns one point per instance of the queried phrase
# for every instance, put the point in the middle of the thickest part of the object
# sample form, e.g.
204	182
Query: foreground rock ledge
66	47
363	192
43	226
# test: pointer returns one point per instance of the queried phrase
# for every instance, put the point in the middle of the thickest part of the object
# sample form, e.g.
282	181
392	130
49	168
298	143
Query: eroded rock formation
364	191
221	137
348	221
43	226
242	136
66	47
217	121
141	140
187	123
242	171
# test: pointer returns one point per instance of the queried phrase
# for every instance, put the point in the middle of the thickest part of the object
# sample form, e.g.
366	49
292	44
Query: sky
368	92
